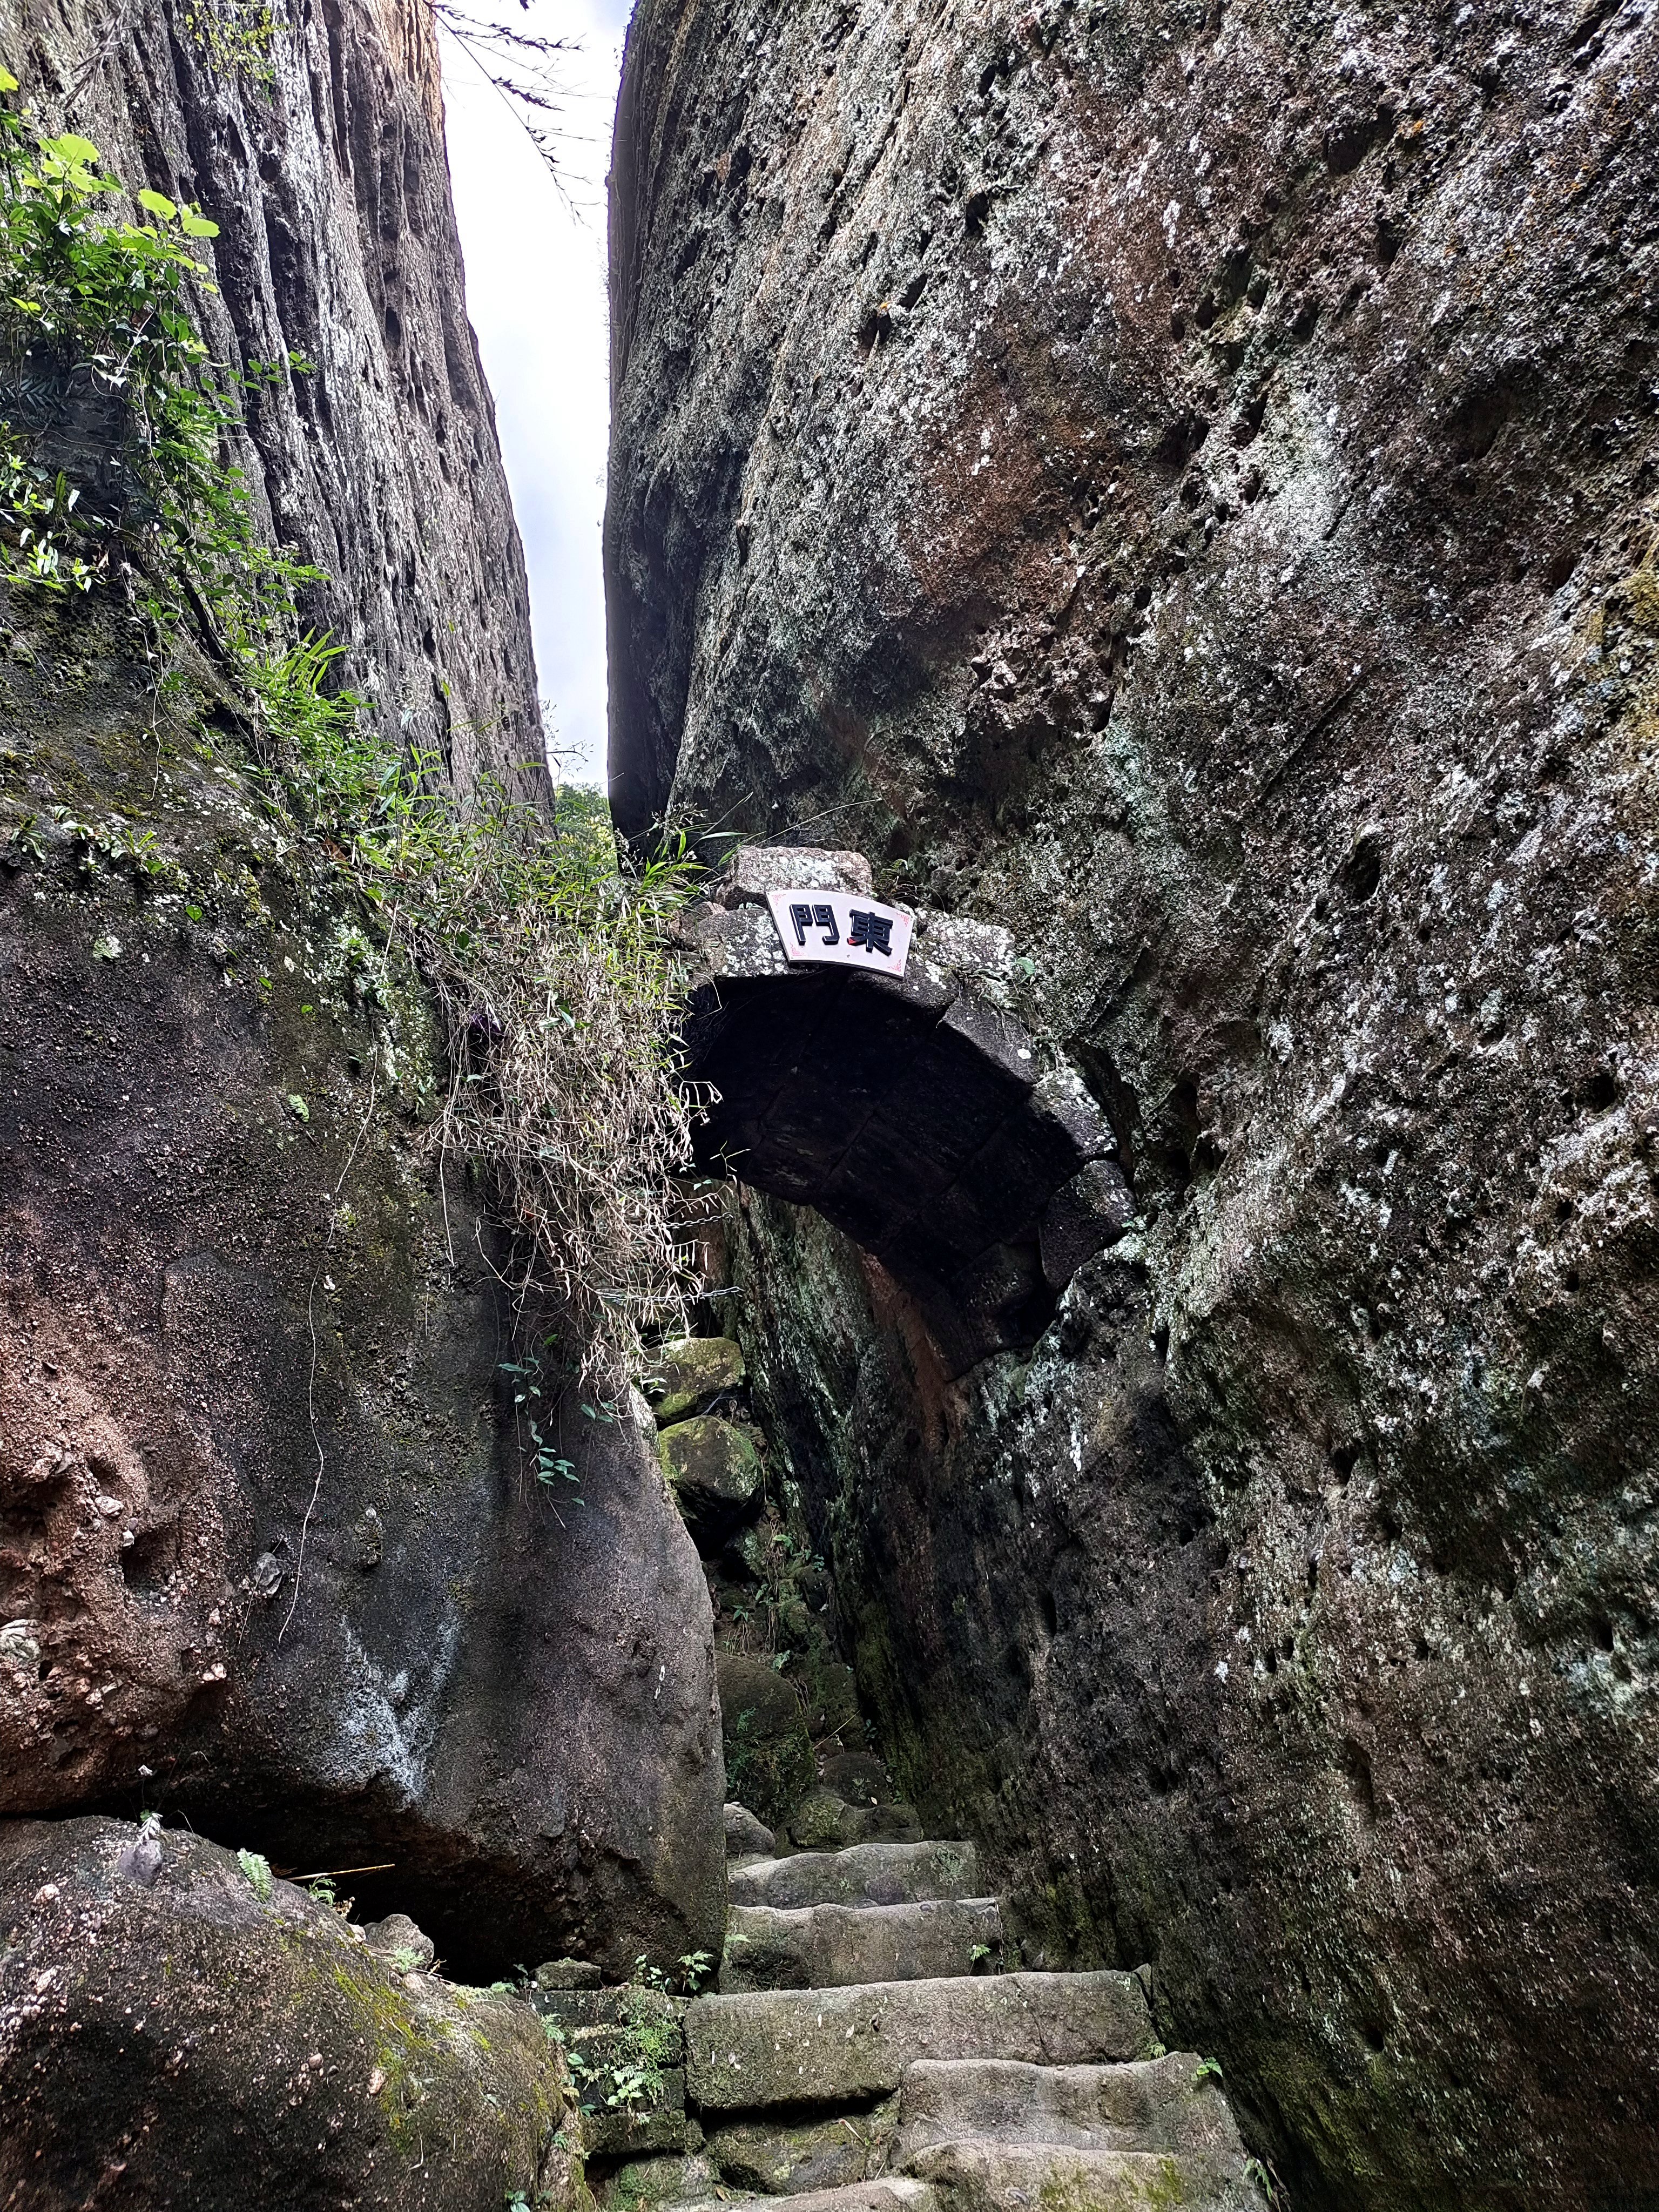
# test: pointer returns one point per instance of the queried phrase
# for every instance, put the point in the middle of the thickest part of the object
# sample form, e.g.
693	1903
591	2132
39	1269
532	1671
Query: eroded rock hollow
1179	483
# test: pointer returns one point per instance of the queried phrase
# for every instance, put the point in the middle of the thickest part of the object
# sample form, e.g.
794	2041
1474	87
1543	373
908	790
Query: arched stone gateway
914	1113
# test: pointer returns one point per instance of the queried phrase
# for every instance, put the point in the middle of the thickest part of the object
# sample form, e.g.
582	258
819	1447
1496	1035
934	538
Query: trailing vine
547	956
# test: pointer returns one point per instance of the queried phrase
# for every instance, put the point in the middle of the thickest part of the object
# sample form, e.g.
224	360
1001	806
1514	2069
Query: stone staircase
865	2054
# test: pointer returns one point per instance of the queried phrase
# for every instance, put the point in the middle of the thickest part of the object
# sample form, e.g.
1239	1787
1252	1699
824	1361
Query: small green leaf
107	947
298	1107
196	226
73	151
194	912
7	81
157	204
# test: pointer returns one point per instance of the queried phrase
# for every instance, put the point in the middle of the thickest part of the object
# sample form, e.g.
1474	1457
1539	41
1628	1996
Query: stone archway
914	1114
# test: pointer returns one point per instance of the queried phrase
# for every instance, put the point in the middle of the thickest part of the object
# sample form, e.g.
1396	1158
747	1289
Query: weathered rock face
272	1555
1178	485
318	150
172	2031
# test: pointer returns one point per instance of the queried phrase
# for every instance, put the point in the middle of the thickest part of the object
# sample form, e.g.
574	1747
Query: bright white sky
536	291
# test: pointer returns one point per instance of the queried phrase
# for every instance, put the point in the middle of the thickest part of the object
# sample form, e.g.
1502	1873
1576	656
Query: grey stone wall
1180	483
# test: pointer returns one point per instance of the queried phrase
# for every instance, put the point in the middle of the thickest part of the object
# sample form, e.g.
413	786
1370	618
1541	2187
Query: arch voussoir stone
915	1114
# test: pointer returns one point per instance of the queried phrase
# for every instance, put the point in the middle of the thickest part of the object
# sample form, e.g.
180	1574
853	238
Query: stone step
773	2047
893	2192
789	2156
645	2185
972	2175
866	1874
1153	2105
828	1947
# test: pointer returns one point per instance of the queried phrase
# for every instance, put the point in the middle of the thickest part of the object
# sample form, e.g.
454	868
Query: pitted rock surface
1177	485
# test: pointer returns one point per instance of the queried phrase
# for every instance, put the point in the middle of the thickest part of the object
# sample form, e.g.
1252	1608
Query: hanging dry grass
560	1003
563	1006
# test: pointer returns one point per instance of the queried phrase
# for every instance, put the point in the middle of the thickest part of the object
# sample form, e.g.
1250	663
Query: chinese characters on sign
839	929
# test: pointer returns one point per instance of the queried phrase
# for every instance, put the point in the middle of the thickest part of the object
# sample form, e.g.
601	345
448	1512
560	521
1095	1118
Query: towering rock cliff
1180	483
313	135
272	1555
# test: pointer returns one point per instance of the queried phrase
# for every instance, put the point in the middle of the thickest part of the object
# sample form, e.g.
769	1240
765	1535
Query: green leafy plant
256	1867
695	1967
235	35
1262	2179
620	2068
91	314
1209	2070
526	1376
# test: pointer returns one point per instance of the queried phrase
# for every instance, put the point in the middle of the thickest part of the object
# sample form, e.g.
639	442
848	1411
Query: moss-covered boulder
176	2027
768	1752
689	1374
825	1821
715	1472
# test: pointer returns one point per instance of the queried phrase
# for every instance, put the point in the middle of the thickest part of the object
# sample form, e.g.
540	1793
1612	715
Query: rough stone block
824	1820
768	1752
666	2177
747	1837
686	1374
1159	2104
979	951
656	2122
754	870
714	1469
990	2176
1061	1096
786	2158
996	1038
588	2013
868	1874
272	2057
892	2192
568	1974
838	1946
1090	1212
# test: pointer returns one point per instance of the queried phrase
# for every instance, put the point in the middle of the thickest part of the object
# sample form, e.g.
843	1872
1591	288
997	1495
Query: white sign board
839	929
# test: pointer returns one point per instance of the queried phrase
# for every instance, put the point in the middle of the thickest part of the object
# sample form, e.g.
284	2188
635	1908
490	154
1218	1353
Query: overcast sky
535	290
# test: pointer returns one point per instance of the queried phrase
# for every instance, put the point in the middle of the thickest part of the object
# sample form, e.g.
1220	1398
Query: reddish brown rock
284	1562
